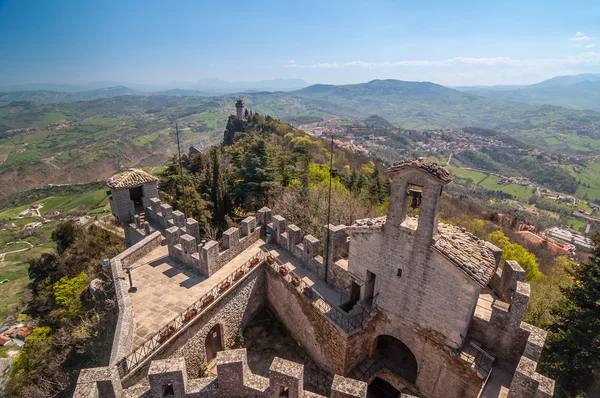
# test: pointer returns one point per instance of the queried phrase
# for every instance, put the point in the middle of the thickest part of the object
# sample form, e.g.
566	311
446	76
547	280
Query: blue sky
326	41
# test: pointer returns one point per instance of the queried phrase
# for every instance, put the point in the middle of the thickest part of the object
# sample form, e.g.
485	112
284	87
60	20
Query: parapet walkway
331	295
165	288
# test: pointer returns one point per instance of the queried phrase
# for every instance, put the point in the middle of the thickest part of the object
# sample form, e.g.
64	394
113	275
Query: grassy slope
590	175
490	182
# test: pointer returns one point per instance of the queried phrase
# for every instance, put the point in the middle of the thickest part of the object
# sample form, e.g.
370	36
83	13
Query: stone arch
213	342
398	358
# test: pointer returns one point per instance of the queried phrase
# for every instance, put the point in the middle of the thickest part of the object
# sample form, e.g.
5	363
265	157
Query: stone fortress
420	305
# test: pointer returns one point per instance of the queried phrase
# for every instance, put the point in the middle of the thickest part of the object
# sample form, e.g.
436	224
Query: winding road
2	255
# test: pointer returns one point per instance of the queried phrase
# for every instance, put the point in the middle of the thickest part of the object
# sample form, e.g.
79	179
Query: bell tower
416	187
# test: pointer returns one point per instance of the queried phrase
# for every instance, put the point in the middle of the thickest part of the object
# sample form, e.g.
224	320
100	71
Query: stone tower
239	108
130	193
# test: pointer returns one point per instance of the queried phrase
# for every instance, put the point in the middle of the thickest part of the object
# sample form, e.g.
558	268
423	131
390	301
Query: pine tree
375	188
217	190
572	352
305	179
256	175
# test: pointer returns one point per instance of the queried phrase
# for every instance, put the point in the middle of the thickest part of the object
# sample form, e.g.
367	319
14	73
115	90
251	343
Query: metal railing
317	380
345	321
375	367
482	361
142	352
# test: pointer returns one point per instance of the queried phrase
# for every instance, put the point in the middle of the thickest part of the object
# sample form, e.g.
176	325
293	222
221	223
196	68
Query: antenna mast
329	209
181	173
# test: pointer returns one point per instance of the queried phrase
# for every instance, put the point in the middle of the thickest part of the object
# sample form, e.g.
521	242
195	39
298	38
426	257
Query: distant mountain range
204	87
574	92
44	96
551	114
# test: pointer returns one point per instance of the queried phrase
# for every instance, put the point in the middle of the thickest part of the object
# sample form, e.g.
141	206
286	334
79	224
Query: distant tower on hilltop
239	108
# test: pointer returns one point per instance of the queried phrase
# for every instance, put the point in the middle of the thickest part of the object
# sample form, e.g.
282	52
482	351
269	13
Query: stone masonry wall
121	205
306	248
428	307
432	293
183	238
323	340
232	311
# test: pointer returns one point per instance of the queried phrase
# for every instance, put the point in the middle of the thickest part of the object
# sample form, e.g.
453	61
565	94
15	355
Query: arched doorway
398	358
380	388
213	343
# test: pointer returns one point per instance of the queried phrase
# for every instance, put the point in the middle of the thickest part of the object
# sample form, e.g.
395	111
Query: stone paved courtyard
165	288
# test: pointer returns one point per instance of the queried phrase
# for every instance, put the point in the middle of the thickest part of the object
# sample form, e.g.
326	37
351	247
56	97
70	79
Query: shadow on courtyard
266	338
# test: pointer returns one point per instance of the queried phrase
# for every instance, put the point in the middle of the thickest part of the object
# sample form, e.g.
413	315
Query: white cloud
580	36
587	58
290	64
589	46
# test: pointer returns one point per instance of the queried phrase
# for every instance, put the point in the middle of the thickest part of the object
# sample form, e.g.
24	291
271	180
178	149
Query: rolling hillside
429	105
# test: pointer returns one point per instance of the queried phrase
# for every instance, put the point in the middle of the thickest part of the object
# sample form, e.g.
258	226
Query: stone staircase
141	213
362	370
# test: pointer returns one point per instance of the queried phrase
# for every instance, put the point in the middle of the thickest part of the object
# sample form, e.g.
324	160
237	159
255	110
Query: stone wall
132	234
233	380
434	361
121	205
320	337
234	310
502	335
306	248
149	190
123	337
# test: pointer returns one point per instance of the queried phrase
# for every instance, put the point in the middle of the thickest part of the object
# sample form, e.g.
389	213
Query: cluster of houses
32	211
14	335
51	126
520	180
455	141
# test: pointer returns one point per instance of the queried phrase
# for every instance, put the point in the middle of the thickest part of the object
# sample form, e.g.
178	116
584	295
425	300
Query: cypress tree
256	175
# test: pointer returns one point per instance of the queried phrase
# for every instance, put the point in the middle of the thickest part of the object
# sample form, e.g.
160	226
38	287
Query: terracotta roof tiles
130	179
435	170
466	251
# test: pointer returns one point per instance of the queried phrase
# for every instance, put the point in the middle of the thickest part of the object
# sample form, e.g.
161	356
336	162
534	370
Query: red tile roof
20	333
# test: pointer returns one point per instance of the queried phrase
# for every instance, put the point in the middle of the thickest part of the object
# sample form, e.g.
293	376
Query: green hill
428	105
573	92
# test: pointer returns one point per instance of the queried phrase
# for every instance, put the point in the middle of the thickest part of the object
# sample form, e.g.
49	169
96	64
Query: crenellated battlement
168	377
185	245
307	248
